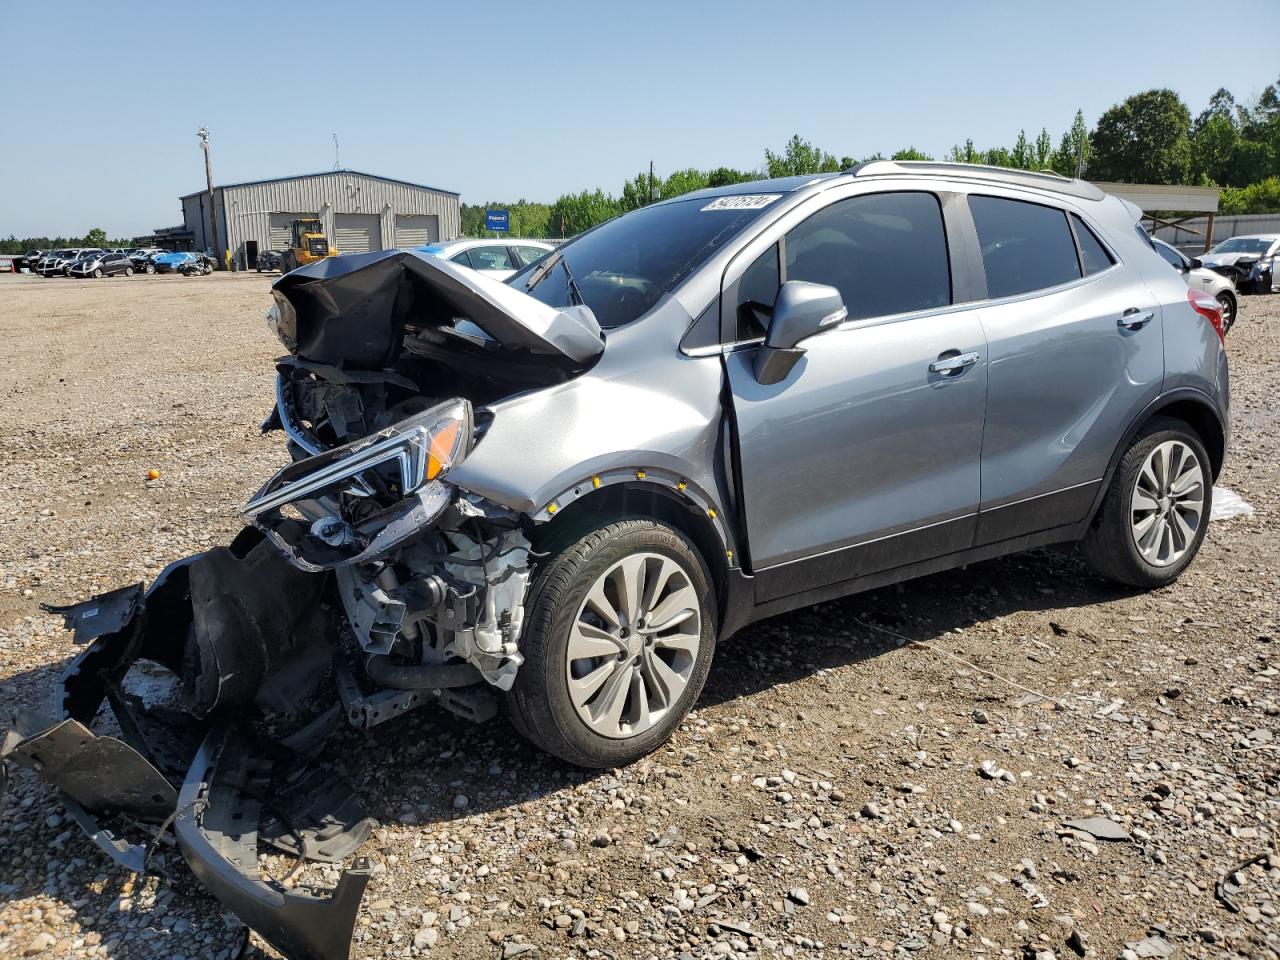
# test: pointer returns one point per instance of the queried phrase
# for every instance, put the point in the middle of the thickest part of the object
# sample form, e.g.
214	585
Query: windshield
624	266
1243	245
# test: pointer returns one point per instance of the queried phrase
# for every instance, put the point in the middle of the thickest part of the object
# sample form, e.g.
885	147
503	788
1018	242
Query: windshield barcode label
748	201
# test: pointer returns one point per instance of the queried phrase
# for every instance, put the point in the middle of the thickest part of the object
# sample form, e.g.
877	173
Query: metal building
360	212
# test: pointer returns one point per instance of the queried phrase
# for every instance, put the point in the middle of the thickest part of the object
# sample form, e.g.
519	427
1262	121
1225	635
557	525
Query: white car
499	259
1250	261
1200	277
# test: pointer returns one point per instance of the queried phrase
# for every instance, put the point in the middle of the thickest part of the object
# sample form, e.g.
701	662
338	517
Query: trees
800	157
911	153
1145	139
575	212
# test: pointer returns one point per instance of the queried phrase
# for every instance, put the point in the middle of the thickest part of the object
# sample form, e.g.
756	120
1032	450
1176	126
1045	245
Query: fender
1181	395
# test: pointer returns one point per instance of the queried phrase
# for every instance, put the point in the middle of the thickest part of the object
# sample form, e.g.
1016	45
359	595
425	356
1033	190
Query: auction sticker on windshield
747	201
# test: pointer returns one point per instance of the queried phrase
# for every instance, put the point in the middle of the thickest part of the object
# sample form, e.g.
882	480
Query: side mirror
800	311
1194	263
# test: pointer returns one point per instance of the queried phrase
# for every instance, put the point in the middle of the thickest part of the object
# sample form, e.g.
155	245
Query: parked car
497	258
58	263
102	265
1200	277
563	492
144	259
201	265
1249	261
269	260
180	261
29	260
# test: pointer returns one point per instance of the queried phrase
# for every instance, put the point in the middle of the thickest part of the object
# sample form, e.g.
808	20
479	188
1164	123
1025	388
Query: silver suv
558	494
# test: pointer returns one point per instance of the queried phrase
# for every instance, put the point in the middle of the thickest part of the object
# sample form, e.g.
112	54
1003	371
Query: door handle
953	364
1135	319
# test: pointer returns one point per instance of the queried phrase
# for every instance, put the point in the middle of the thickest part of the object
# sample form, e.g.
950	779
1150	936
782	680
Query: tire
540	703
1111	547
150	269
1228	304
97	274
287	262
128	271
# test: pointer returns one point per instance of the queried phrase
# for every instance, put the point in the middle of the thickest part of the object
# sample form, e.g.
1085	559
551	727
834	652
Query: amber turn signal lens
444	445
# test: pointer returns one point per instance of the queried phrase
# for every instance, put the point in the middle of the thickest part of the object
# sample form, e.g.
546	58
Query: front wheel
1156	510
97	274
151	269
618	638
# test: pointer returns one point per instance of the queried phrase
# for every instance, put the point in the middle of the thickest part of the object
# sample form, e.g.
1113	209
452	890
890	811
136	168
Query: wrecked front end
364	586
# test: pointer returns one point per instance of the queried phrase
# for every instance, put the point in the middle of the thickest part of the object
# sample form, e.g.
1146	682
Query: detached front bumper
223	783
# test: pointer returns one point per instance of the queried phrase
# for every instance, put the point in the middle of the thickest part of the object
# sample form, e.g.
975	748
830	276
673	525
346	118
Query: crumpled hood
354	310
1226	259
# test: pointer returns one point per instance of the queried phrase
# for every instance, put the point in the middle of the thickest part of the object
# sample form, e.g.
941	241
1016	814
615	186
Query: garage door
357	232
413	230
281	234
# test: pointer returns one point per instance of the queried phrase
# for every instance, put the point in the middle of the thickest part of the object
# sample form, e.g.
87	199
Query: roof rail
1040	179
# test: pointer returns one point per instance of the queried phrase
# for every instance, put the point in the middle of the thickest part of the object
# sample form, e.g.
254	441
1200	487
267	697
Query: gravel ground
839	791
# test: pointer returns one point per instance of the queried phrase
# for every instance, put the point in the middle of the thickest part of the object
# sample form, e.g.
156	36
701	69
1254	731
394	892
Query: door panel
861	459
1064	382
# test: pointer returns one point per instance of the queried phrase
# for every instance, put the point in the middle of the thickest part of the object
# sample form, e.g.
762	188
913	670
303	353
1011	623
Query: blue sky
502	100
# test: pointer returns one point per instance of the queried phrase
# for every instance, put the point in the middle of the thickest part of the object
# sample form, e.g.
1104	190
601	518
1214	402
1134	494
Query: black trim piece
884	578
968	276
1057	509
864	559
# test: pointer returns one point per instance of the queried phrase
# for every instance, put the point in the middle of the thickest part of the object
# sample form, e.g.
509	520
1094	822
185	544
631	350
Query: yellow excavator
307	244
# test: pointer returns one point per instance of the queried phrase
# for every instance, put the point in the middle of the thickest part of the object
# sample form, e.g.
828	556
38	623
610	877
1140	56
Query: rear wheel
287	262
128	271
1156	510
97	273
618	640
1228	304
150	268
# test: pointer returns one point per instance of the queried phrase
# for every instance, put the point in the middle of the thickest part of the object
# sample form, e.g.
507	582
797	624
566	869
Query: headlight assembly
351	502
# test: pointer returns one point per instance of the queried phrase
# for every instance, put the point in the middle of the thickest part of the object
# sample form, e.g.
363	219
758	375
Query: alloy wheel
1228	311
633	645
1167	506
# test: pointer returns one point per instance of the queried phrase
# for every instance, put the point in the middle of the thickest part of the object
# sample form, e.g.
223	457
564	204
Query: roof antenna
336	164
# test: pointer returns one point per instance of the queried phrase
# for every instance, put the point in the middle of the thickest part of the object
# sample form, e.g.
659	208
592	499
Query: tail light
1209	308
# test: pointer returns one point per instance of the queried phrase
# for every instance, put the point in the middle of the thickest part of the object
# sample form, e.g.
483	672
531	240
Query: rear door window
886	253
1025	246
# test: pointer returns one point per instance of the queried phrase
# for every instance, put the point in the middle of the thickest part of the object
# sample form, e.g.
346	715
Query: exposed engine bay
364	585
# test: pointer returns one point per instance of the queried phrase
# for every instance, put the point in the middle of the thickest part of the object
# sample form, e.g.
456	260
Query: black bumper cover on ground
221	783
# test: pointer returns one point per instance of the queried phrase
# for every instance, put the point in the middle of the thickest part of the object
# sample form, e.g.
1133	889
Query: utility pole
651	197
337	165
203	134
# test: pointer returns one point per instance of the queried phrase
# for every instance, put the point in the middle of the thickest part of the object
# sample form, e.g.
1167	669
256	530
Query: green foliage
97	237
1261	197
911	153
576	212
94	238
800	157
1145	139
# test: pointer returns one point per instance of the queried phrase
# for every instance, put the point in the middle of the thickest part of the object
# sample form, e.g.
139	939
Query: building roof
322	173
1158	196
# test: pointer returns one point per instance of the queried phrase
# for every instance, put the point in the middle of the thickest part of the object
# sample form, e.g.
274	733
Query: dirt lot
838	791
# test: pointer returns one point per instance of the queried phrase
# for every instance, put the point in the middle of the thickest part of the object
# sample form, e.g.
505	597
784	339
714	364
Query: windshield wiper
544	270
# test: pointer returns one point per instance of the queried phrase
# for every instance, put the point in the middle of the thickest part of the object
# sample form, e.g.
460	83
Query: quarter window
1094	257
756	292
1171	255
491	258
1025	246
886	253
